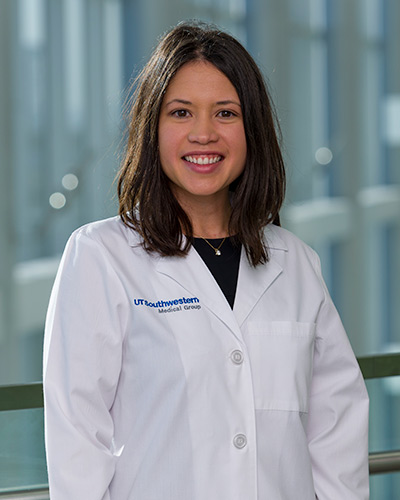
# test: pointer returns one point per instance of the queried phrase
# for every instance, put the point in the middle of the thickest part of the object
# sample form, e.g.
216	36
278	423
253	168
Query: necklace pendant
216	250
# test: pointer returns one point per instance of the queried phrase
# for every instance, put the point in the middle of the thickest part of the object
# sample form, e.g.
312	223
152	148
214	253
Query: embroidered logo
174	305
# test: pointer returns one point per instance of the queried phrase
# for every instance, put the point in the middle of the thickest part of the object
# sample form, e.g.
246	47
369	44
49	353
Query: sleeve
338	415
82	363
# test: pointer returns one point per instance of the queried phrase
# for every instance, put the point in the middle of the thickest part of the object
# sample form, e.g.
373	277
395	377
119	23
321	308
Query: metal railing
24	494
30	396
21	397
384	365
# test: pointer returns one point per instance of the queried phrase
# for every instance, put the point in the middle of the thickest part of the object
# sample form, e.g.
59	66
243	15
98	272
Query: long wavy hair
146	202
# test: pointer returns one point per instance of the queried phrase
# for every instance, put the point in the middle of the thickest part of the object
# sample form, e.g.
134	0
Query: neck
210	228
209	218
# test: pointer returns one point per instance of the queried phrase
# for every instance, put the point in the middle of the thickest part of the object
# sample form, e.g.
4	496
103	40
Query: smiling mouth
203	160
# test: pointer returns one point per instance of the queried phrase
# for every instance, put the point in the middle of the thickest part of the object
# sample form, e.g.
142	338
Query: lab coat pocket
281	355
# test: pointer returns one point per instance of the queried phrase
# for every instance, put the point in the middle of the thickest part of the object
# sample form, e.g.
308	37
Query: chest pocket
281	355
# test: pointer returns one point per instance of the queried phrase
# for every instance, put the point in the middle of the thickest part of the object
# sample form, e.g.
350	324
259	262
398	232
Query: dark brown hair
259	191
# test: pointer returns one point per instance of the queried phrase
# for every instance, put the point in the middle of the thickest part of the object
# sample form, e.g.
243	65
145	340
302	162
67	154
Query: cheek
241	148
167	144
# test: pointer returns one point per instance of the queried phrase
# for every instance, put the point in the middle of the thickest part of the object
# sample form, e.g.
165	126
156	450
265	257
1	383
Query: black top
224	267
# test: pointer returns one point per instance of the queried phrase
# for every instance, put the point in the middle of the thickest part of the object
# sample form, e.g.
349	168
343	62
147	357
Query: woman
192	351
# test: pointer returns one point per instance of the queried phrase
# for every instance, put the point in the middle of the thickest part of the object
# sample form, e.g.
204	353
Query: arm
338	416
82	362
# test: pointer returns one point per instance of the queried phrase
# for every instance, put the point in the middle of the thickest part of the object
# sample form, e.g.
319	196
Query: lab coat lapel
194	276
253	282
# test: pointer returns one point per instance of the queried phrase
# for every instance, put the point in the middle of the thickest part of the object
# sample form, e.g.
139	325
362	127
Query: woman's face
202	141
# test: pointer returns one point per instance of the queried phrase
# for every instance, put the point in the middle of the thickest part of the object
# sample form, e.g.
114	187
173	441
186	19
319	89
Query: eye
180	113
225	113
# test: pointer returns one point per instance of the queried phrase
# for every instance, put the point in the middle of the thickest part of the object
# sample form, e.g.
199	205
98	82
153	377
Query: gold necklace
216	250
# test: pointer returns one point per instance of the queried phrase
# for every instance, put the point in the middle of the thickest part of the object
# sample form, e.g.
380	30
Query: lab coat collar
195	277
254	281
274	242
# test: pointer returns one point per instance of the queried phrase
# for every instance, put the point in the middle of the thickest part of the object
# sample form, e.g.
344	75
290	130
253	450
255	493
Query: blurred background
333	68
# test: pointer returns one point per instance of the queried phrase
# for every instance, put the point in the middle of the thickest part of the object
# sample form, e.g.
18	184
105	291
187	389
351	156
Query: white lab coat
156	390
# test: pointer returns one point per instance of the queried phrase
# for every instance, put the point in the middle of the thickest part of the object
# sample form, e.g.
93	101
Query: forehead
200	79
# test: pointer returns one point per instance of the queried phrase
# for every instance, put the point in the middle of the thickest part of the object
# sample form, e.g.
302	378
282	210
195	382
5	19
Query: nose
203	131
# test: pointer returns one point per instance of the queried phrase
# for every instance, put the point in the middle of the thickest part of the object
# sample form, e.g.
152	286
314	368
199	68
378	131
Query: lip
203	169
203	153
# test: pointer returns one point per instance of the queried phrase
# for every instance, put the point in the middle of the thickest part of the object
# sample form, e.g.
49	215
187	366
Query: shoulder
103	240
109	233
106	245
278	238
292	253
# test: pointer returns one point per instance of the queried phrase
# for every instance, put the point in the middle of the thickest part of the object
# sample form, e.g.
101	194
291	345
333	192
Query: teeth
202	160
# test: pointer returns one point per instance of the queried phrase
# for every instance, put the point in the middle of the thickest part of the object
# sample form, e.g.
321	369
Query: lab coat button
240	441
237	357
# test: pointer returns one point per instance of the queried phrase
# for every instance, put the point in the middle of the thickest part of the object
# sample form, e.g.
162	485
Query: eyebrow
224	103
219	103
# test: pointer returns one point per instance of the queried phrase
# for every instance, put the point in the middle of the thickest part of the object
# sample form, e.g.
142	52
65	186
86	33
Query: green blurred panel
19	397
22	453
384	365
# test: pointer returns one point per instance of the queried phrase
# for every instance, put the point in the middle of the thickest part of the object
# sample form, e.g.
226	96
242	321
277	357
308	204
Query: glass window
334	75
22	457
